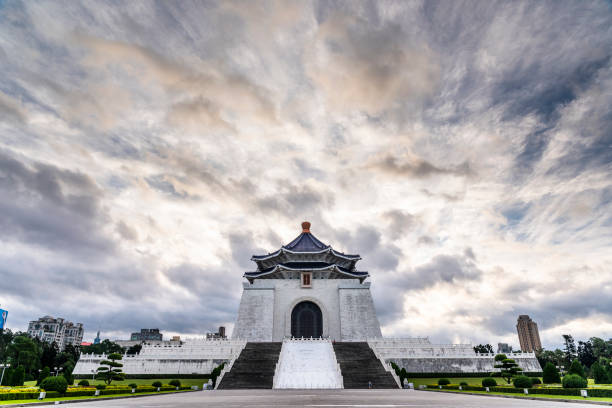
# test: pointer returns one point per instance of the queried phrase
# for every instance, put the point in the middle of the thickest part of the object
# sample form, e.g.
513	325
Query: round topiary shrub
522	381
58	384
84	383
574	381
489	382
157	384
133	385
463	383
175	383
535	381
443	381
100	387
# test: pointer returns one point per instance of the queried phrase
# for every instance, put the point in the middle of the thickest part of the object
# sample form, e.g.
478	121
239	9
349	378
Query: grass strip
91	397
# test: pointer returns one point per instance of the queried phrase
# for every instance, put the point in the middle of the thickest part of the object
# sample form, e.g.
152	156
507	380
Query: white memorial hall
307	320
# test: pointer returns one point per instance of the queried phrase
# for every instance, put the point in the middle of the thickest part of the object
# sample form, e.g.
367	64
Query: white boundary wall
418	355
197	356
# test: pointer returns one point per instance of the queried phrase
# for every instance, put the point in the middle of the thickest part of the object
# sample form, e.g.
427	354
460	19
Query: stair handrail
280	358
385	365
229	366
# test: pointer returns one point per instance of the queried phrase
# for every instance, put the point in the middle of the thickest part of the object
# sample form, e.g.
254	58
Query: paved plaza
325	399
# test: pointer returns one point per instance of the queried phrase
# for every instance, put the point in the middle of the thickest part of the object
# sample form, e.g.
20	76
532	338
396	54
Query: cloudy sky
464	149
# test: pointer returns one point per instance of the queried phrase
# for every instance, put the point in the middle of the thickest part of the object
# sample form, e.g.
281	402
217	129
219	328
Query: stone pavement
324	399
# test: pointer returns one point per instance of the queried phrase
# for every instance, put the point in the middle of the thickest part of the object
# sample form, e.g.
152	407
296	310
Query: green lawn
477	381
84	397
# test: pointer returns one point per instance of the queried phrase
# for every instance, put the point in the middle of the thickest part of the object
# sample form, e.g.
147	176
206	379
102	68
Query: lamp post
93	375
4	367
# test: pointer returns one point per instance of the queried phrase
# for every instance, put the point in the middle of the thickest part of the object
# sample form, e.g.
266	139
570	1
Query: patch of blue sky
515	213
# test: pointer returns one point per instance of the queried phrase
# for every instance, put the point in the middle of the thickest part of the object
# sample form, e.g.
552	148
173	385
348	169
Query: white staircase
307	363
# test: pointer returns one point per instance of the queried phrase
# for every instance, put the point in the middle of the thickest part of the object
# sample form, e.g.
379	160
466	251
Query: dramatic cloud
463	149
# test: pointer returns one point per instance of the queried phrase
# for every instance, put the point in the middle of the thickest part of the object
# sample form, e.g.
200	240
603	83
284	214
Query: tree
49	354
58	384
105	347
135	349
569	349
574	381
600	376
483	348
557	357
23	351
18	376
550	375
585	353
577	368
110	370
43	374
403	375
508	367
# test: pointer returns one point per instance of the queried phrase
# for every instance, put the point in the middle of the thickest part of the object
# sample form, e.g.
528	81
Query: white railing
321	371
387	366
229	365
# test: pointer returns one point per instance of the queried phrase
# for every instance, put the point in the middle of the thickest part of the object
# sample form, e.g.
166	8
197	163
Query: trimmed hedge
10	396
161	376
58	384
455	375
574	381
443	381
522	381
489	382
592	392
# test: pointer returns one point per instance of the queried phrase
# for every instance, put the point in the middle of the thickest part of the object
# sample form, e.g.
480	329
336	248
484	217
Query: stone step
254	367
360	366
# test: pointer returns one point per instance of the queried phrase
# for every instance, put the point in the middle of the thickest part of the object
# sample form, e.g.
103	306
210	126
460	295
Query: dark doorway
306	320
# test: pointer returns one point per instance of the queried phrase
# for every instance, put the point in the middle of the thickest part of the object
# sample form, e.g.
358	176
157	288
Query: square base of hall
268	309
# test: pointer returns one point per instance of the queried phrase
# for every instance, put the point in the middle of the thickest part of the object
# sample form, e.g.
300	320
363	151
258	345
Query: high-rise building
57	330
528	334
147	334
504	348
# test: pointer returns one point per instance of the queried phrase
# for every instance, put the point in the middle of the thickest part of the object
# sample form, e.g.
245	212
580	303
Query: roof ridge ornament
306	227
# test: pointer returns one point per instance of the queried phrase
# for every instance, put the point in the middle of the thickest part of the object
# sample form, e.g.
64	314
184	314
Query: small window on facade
306	276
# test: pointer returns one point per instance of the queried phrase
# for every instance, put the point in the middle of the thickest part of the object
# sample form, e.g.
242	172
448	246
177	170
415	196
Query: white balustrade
307	363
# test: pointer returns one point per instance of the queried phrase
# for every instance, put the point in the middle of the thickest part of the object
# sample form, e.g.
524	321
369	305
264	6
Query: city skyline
462	149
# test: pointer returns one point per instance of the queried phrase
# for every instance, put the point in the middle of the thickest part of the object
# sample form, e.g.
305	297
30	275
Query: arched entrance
306	320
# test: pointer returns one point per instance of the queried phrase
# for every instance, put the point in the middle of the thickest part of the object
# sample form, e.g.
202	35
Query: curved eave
333	268
258	258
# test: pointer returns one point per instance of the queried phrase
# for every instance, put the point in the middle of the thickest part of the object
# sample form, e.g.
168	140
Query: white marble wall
358	319
421	356
256	312
192	357
346	305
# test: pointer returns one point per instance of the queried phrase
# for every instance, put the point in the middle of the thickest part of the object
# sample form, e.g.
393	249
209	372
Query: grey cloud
168	185
51	207
425	240
243	247
10	110
376	67
378	256
418	168
126	231
553	308
445	269
400	222
296	201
